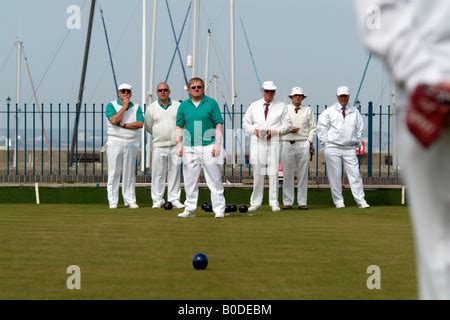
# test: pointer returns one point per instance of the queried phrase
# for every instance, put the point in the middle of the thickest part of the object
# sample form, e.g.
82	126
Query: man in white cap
160	118
199	142
298	145
414	43
124	121
339	130
266	120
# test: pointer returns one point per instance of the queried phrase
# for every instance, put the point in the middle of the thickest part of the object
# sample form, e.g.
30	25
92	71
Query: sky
311	44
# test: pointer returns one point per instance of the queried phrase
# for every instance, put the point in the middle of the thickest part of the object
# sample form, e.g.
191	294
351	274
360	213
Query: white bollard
36	187
403	194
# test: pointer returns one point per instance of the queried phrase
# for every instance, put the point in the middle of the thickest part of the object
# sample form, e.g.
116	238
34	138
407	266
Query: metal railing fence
35	142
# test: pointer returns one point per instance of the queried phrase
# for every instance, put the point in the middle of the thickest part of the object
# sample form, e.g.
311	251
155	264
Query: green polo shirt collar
163	106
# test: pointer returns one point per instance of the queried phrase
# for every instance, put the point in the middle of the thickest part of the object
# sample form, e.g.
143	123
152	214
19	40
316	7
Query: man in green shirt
124	121
199	142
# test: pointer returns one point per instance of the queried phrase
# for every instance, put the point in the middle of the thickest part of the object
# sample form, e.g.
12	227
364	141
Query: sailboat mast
18	72
208	42
195	37
143	77
232	55
83	78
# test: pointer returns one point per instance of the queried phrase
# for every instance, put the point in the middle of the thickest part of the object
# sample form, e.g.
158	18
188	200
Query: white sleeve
148	121
312	126
247	121
286	122
359	125
323	124
391	30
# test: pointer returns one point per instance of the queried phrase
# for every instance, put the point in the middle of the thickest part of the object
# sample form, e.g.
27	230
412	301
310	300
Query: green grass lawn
322	253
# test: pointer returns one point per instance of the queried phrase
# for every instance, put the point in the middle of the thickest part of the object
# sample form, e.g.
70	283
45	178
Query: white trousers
165	162
194	159
295	157
266	161
334	158
121	160
427	176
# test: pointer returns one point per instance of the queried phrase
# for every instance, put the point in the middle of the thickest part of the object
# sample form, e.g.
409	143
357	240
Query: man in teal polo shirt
124	121
199	142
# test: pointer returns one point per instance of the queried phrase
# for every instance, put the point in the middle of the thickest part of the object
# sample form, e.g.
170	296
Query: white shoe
132	206
254	208
275	208
364	205
219	215
177	204
158	204
186	214
113	206
340	205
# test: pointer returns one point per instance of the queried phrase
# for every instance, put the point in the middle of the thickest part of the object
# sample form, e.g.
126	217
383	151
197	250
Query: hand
125	102
180	149
262	134
312	151
215	152
428	112
295	129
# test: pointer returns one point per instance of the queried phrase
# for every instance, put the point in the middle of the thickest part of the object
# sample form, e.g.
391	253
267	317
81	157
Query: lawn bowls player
266	120
160	118
339	130
124	121
199	142
297	147
414	42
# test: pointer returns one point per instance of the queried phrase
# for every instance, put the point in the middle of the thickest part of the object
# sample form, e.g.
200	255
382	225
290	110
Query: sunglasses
163	90
269	91
196	87
125	91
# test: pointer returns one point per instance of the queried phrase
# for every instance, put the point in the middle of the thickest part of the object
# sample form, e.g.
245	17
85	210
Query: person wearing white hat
160	119
124	121
339	130
266	120
298	144
414	43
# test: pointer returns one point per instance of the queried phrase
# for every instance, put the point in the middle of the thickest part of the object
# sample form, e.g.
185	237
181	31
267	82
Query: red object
428	112
361	149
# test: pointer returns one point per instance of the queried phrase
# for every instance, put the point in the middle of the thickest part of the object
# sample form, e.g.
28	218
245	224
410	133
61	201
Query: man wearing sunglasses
266	120
298	145
160	118
199	142
124	121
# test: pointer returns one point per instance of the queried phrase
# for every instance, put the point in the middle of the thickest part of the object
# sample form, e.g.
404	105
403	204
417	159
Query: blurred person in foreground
413	38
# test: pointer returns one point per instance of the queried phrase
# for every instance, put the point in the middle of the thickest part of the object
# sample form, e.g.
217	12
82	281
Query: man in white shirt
414	42
266	120
295	154
160	122
339	130
124	121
